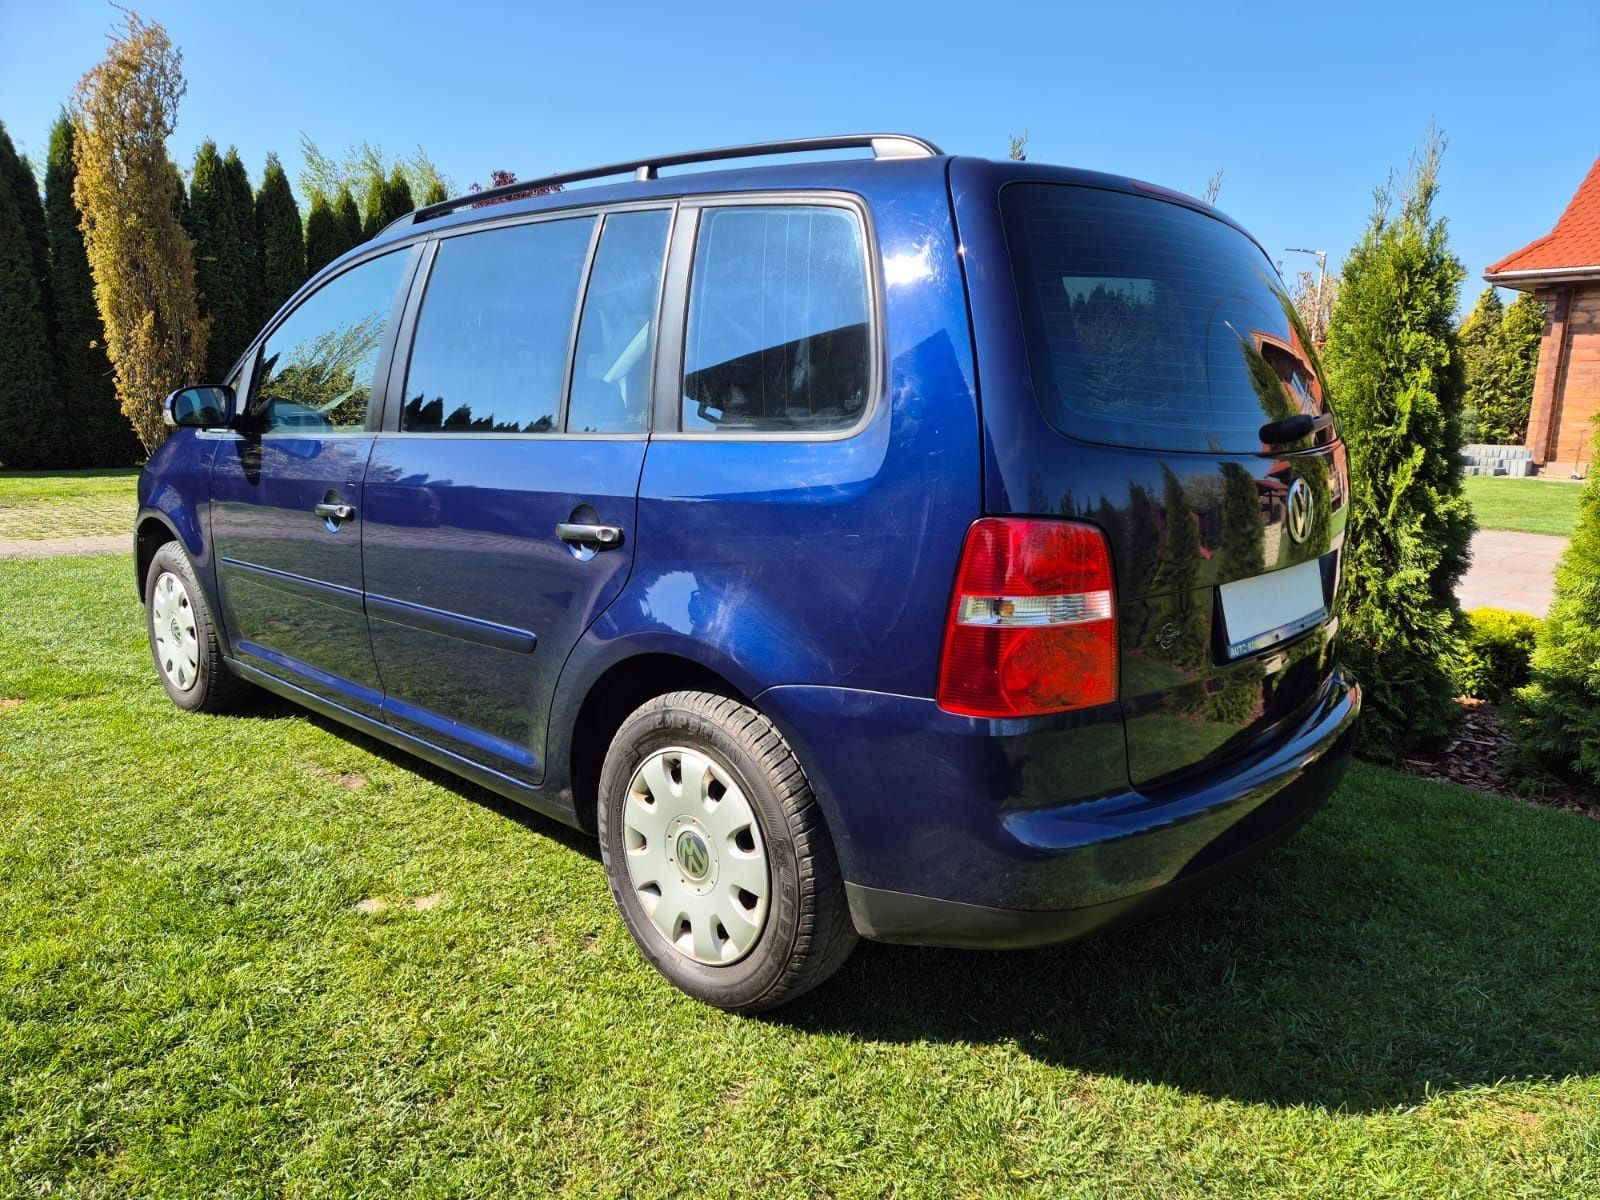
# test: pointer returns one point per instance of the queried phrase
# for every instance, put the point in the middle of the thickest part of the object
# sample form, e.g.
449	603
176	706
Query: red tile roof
1573	244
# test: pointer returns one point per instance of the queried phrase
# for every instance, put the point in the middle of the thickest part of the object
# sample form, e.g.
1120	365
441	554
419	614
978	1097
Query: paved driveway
1511	570
56	547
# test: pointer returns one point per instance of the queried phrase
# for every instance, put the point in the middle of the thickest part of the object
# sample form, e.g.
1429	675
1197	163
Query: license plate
1267	609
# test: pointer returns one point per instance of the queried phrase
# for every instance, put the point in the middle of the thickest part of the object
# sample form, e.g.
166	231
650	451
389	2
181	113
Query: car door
286	521
499	501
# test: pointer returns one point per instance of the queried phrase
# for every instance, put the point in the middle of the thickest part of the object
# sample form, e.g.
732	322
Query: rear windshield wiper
1292	429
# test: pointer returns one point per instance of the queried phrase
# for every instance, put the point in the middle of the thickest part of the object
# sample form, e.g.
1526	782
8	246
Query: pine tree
102	436
324	236
1558	713
19	172
1478	340
223	255
1397	380
436	193
349	222
283	252
397	197
30	421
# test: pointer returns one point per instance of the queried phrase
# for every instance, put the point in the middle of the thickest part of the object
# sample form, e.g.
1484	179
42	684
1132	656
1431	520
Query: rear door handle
601	537
335	512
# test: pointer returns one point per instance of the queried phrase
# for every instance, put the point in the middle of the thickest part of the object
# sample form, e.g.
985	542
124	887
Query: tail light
1032	625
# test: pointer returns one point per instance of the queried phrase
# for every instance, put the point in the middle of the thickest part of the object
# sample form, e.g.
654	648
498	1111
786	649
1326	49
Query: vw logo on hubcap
693	855
1299	510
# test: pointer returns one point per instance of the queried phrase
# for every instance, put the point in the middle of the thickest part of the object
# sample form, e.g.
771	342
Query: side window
490	352
316	369
617	337
778	338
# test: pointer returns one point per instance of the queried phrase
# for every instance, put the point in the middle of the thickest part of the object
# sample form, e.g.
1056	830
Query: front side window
779	337
490	352
317	367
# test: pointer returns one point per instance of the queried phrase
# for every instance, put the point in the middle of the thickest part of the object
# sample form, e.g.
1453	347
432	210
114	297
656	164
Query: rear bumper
931	858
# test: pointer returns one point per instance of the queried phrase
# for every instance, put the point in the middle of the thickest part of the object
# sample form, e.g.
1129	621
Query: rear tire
183	637
717	854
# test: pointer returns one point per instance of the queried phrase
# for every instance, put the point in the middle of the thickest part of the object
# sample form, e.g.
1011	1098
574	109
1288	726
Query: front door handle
335	512
599	537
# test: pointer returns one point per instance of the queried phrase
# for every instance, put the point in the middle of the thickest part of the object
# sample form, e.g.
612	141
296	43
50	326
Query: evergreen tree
1517	362
223	254
283	250
142	260
1397	380
372	207
436	193
1558	713
102	436
324	236
349	222
397	197
1478	340
30	421
19	172
253	264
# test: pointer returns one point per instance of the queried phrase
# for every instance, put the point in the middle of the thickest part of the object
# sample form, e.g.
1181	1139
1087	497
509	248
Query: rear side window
490	351
616	340
1151	324
778	337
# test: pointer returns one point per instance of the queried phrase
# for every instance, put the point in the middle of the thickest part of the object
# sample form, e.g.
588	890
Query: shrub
1397	383
1558	712
1494	658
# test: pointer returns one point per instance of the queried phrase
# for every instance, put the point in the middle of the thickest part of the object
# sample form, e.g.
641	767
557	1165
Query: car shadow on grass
1357	969
1413	939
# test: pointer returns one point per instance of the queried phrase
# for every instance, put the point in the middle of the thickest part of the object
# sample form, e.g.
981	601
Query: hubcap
695	856
172	625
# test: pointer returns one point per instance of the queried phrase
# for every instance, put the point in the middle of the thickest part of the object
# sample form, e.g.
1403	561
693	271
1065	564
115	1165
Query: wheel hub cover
694	856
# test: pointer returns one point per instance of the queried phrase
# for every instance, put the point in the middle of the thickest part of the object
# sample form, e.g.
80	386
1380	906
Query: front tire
183	637
717	855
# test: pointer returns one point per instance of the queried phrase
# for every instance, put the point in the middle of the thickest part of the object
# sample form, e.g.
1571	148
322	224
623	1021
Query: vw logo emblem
1299	510
693	854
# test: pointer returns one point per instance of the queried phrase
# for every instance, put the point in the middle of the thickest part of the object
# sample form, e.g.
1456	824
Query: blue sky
1305	106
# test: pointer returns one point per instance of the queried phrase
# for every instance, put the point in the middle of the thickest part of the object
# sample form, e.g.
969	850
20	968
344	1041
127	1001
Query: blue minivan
902	546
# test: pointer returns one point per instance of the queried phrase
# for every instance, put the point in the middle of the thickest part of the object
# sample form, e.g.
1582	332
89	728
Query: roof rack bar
882	145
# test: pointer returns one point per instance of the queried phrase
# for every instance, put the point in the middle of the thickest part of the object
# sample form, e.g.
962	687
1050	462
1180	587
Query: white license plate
1267	609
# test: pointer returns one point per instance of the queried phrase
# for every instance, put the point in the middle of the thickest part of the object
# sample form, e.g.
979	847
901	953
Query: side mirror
199	407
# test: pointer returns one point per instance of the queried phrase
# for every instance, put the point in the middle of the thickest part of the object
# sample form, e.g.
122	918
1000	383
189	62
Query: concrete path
1511	570
57	547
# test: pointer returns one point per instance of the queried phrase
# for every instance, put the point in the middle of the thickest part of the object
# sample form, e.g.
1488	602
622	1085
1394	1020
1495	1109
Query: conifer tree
1517	355
1397	381
224	253
102	436
1478	341
1558	713
349	221
253	265
282	239
436	193
397	196
373	202
30	419
324	236
142	261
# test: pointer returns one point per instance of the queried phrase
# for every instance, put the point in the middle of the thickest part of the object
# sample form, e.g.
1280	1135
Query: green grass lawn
195	1002
1524	505
47	504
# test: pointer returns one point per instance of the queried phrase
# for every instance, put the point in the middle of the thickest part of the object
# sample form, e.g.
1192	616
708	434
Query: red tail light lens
1032	626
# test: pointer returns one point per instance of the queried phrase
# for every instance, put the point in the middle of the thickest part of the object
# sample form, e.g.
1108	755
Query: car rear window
1152	324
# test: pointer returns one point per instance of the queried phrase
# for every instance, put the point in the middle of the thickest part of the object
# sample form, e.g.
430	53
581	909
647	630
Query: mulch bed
1476	757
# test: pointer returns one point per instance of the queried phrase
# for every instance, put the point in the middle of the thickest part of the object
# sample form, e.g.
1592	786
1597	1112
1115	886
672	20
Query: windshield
1150	324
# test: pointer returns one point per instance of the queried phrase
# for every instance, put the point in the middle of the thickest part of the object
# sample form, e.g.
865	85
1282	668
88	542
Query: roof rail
882	145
